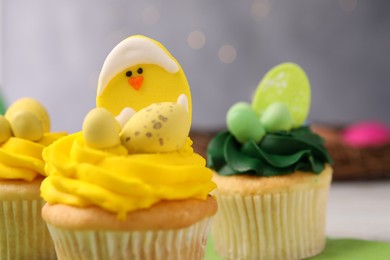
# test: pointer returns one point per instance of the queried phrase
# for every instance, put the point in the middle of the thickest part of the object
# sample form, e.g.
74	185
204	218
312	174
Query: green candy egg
286	83
243	122
276	118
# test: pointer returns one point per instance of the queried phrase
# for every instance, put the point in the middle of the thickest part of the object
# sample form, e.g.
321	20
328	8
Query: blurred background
53	51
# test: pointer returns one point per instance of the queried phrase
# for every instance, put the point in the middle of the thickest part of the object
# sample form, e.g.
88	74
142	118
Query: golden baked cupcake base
167	230
288	213
20	200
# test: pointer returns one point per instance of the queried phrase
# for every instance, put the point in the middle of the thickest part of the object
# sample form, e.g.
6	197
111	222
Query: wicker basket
351	163
371	163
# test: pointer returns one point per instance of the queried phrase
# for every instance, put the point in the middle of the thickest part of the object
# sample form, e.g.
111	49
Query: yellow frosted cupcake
273	174
129	185
24	132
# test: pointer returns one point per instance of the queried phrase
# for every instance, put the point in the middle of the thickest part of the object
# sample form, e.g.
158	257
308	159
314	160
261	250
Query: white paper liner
186	243
288	225
23	233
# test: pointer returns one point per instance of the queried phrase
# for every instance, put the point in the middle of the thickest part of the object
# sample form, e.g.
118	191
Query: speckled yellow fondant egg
160	127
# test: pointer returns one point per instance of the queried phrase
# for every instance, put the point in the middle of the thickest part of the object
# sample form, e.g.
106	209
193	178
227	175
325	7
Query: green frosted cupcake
272	172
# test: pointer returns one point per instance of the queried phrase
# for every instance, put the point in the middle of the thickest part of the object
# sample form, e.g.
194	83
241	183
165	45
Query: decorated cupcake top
24	133
268	137
133	150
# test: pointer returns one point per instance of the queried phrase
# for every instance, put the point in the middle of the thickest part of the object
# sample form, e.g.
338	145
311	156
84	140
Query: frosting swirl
21	159
277	154
120	182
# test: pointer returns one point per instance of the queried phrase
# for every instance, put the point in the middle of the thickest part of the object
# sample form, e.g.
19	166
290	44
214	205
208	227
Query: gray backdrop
53	51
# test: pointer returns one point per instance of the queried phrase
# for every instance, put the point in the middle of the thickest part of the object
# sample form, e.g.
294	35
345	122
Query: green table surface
337	249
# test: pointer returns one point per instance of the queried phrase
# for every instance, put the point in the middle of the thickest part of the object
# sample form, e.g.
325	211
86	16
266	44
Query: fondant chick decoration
143	86
27	119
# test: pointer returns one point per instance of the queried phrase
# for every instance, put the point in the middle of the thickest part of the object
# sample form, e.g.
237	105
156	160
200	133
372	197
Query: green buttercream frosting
277	153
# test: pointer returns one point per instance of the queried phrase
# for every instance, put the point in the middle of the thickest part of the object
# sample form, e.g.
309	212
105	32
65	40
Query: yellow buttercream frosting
120	182
21	159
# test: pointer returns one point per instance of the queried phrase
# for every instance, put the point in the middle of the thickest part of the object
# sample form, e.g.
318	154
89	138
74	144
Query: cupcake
272	174
24	132
129	185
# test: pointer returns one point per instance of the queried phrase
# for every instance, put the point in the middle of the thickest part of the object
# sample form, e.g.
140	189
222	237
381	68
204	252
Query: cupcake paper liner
289	225
185	243
23	233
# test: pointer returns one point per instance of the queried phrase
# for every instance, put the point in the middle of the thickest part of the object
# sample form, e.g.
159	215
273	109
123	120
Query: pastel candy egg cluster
244	122
26	118
281	103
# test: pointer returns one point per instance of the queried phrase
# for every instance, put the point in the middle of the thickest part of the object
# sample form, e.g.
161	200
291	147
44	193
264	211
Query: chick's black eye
129	73
140	70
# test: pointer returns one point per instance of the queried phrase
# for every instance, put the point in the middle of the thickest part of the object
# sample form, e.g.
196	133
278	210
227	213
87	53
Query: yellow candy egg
5	129
100	129
160	127
32	105
26	125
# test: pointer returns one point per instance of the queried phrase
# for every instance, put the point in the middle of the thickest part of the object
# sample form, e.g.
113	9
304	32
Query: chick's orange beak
136	82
